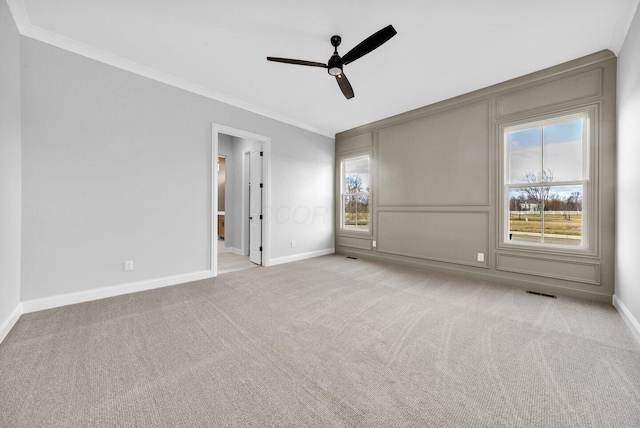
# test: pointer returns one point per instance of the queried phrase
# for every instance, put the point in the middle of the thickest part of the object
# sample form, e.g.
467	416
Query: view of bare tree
537	194
356	203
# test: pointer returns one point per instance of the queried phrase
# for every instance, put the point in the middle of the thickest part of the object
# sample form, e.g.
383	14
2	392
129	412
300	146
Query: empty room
319	213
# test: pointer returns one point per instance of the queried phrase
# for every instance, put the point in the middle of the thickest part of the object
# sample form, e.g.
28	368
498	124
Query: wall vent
541	294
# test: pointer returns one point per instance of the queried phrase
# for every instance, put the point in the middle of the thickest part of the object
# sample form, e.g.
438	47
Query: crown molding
622	27
20	16
27	29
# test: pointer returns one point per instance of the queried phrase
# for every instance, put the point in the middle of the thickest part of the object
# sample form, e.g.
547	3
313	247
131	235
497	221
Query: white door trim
256	208
217	129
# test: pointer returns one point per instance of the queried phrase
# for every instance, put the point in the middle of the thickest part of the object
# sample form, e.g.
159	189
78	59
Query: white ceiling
443	48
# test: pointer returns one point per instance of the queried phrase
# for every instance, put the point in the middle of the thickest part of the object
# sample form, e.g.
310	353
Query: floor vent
352	258
541	294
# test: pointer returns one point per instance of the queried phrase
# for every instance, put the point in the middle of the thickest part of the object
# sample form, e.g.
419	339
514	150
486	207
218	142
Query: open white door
255	205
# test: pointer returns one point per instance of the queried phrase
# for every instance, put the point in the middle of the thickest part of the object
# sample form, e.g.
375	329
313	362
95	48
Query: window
354	193
546	182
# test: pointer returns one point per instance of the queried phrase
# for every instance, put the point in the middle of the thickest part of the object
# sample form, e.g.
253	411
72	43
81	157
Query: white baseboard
303	256
115	290
8	324
628	317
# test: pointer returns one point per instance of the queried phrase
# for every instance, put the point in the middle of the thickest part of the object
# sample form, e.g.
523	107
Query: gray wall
10	165
118	167
436	195
235	214
628	173
232	148
224	149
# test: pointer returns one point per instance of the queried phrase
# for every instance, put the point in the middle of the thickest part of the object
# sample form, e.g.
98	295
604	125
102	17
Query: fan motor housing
334	66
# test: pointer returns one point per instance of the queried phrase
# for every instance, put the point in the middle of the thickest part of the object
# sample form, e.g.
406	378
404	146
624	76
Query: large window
546	182
355	174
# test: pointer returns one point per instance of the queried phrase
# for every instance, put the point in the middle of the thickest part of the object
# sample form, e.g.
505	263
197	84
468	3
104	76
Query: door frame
217	129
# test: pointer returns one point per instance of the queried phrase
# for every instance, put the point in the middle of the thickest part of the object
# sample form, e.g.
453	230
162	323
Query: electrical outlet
480	257
293	244
374	244
128	265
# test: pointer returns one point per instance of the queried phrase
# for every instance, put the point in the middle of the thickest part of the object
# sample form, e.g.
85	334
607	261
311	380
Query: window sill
534	248
357	233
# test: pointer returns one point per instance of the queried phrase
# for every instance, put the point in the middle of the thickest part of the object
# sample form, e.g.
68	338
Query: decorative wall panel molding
439	159
584	272
454	237
570	89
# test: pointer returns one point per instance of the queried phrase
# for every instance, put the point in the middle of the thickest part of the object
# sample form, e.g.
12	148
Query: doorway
229	258
240	233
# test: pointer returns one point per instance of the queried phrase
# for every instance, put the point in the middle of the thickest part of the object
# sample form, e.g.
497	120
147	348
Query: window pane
350	213
363	211
563	150
525	154
524	215
563	216
363	173
356	212
356	175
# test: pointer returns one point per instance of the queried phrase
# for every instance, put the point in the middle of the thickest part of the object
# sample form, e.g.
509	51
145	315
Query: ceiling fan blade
297	62
345	86
370	43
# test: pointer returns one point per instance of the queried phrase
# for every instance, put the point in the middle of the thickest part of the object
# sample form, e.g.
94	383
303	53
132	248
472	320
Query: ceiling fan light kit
336	63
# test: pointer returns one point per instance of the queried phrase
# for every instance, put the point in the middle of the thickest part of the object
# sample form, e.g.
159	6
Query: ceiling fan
336	63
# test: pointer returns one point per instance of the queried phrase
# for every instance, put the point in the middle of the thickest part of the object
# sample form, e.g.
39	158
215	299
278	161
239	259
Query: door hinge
261	185
260	216
261	153
260	247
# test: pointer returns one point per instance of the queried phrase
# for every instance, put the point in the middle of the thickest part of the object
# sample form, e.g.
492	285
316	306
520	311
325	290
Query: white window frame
343	160
588	209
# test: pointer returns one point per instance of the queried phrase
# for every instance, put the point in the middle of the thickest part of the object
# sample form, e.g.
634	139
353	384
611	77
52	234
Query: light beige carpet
323	342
